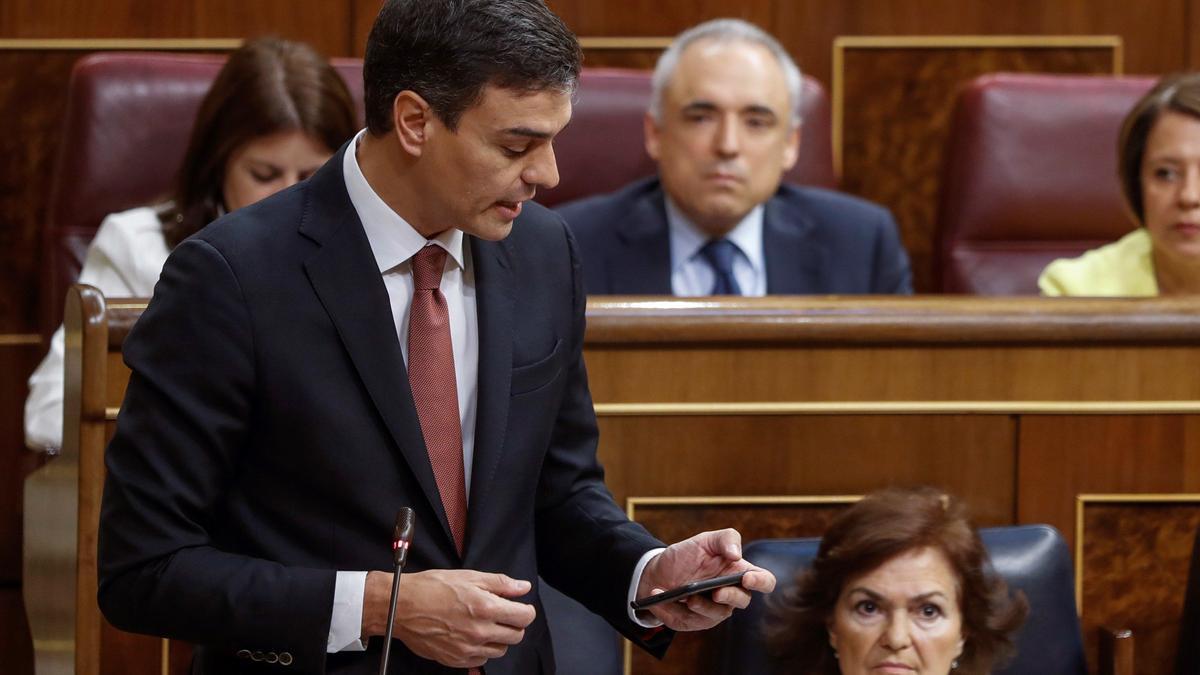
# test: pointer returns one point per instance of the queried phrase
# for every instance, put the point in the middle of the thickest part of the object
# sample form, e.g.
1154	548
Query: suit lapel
495	304
644	243
795	260
345	277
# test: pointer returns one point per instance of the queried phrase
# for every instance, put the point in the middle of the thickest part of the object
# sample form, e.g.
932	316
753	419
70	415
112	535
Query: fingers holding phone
707	577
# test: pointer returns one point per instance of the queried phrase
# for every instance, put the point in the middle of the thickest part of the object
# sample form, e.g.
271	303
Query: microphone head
406	522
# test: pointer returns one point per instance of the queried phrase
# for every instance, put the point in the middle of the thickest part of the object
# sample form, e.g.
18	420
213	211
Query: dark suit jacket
816	241
268	437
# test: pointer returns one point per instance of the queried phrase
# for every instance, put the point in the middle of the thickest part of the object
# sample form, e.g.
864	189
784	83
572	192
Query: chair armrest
1116	651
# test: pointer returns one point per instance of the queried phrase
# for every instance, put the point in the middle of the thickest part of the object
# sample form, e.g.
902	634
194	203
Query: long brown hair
267	86
881	527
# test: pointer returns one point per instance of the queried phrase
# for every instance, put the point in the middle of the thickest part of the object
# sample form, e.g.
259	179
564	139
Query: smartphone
690	588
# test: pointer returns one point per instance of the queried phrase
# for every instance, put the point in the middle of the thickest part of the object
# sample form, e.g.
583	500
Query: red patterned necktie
434	388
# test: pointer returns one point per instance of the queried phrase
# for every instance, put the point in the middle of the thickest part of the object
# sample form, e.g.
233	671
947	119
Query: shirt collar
393	241
687	239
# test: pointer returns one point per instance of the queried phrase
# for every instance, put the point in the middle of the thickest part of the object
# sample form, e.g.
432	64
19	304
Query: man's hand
459	618
705	555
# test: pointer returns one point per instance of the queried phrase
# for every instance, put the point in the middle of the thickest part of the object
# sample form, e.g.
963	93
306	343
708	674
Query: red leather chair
126	128
603	147
1030	176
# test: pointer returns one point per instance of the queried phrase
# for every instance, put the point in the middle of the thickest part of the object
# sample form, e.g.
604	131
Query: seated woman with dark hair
901	584
1159	169
274	114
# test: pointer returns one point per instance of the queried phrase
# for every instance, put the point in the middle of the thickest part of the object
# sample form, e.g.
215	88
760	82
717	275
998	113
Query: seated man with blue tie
724	126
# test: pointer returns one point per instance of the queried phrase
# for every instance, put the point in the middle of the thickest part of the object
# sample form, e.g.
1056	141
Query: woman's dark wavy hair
267	86
877	529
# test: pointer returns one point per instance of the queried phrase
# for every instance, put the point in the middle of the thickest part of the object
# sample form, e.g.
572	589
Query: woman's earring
954	664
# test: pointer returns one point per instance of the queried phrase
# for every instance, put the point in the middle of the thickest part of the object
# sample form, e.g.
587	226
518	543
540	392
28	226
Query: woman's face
268	164
1171	185
902	618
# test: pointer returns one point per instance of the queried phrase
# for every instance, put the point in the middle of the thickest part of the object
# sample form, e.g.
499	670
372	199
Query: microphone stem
391	620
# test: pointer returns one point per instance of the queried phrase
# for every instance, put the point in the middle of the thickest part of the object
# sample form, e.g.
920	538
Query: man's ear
411	117
650	128
791	153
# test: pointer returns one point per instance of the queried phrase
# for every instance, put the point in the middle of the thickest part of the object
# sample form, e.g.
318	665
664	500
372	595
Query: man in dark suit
403	329
724	126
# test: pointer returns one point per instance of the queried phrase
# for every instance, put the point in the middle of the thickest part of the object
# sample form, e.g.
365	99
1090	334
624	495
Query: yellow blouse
1122	268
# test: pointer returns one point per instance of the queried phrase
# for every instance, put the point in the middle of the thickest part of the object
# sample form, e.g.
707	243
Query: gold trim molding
127	305
136	44
723	409
20	339
898	408
844	42
1081	502
631	503
624	42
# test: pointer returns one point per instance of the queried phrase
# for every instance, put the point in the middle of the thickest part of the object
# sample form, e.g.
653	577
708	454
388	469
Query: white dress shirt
691	275
394	242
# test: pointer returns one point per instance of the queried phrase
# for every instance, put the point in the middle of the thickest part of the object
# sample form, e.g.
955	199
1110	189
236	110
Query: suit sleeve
587	547
183	426
892	274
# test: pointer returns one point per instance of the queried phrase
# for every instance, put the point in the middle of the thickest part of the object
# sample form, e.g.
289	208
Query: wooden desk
1016	405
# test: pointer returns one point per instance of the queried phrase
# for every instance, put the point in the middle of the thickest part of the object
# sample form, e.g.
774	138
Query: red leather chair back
604	146
1030	176
127	124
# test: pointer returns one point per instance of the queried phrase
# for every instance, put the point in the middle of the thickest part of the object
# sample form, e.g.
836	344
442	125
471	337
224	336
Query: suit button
256	656
243	653
272	657
285	659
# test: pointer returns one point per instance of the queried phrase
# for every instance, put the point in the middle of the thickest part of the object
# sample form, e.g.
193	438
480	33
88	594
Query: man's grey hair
724	31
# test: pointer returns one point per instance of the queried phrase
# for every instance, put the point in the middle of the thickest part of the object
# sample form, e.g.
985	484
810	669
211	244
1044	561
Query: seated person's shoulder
598	212
131	241
1122	268
843	208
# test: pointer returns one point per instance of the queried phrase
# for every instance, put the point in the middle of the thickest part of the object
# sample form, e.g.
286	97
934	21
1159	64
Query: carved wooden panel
892	108
659	456
1134	563
672	520
1062	456
33	86
324	24
650	17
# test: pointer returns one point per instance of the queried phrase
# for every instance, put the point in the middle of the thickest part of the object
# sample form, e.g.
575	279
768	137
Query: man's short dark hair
447	51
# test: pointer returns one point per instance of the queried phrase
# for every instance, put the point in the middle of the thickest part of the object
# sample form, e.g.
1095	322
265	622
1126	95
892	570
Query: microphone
406	521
